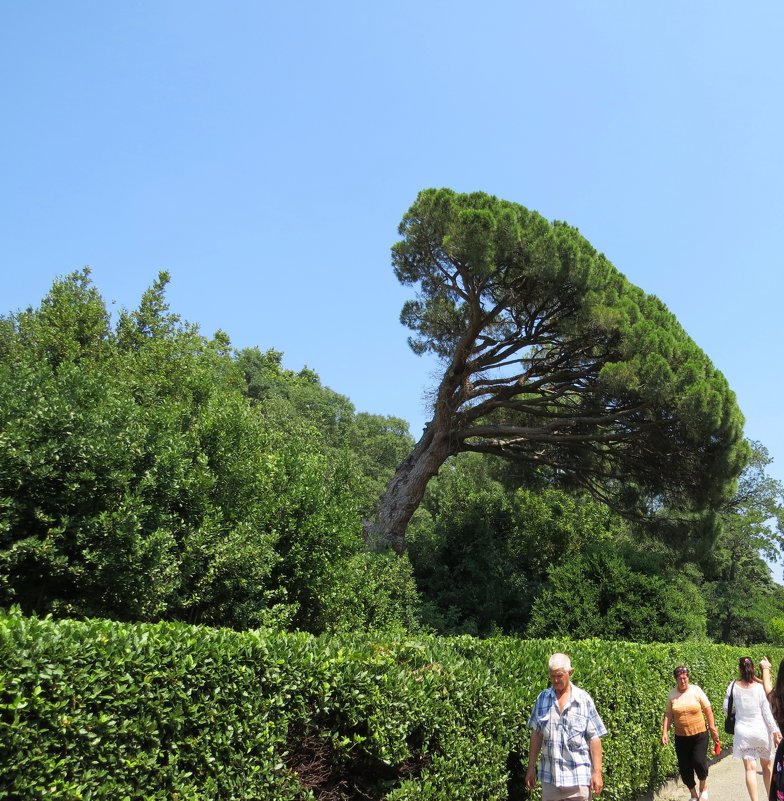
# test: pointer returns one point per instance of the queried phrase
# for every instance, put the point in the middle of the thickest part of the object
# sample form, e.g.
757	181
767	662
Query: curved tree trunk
407	488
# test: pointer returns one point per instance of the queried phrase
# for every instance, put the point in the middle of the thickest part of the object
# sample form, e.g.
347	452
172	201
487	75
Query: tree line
584	471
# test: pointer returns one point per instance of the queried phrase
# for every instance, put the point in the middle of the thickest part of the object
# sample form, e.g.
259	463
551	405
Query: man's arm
597	780
537	738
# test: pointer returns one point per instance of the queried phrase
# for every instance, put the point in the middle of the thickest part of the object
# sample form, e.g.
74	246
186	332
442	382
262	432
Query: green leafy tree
616	593
740	593
775	631
371	592
109	498
289	396
378	444
337	583
482	553
552	358
139	482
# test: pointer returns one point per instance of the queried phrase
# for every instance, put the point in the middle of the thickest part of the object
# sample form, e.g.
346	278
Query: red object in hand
717	748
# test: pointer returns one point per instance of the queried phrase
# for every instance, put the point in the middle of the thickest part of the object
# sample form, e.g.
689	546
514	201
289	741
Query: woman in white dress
754	726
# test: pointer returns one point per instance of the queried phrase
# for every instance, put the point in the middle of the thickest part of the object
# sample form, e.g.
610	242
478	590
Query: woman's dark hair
777	696
680	669
746	668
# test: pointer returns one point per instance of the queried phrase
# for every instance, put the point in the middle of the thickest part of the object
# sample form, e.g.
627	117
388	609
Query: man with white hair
566	731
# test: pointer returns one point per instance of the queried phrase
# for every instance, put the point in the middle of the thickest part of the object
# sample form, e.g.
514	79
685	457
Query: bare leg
767	773
703	785
751	777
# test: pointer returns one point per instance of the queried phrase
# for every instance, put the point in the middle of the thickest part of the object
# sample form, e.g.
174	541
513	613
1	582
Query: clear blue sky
263	153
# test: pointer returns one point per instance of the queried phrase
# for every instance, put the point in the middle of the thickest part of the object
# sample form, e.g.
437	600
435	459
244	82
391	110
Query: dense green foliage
150	473
601	591
491	557
738	586
553	359
375	445
143	478
165	711
481	553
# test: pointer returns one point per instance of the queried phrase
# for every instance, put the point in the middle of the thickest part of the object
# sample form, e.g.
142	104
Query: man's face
559	678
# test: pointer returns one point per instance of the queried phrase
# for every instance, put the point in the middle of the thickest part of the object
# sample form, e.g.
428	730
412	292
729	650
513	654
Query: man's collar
570	691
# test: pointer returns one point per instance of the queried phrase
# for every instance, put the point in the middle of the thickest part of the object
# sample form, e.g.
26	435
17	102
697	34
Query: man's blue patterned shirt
565	759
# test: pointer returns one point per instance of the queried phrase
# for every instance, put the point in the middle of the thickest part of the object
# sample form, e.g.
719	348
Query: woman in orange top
686	705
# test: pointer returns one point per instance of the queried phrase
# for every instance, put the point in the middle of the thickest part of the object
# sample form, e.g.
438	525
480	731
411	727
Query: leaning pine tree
552	358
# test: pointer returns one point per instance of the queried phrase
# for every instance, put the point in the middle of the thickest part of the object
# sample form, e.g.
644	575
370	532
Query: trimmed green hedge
102	710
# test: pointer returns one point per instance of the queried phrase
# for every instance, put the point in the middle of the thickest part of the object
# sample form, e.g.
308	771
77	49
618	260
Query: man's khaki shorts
552	793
